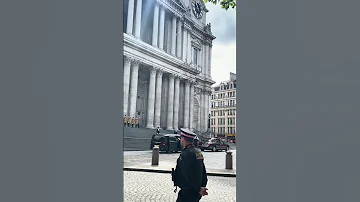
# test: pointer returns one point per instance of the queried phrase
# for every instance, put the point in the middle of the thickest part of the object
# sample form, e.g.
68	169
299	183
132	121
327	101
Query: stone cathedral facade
167	63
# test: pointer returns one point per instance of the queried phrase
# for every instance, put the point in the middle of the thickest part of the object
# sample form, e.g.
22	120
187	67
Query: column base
169	128
150	126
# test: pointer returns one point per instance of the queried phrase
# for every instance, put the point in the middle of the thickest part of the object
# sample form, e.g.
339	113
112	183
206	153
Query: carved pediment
196	43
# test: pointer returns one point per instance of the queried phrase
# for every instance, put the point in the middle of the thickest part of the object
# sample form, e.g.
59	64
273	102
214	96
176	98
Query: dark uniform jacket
190	172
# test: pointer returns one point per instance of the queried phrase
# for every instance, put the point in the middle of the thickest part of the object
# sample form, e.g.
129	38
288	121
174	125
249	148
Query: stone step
143	132
139	139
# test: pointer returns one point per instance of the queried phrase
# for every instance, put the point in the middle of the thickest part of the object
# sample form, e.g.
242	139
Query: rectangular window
195	56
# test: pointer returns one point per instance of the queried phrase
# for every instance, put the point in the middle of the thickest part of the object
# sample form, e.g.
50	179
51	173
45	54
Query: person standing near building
132	121
137	122
190	173
125	120
158	131
129	121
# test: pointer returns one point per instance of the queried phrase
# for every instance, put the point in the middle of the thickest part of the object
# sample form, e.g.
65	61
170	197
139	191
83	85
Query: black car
214	144
167	142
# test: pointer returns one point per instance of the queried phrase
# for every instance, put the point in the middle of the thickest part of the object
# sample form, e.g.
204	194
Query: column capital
135	62
178	76
128	59
159	70
158	3
171	75
153	70
161	5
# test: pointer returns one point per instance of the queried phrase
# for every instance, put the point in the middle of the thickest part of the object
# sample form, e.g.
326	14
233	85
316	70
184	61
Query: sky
223	27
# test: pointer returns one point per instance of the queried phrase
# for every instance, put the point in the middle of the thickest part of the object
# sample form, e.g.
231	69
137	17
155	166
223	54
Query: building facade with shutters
167	63
223	108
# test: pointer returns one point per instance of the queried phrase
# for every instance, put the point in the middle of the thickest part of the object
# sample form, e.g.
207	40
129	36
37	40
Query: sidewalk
141	161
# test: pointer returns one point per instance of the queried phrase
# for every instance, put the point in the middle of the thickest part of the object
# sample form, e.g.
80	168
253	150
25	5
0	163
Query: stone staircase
139	139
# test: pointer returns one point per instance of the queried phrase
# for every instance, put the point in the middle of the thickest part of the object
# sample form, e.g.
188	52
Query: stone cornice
155	53
205	80
172	6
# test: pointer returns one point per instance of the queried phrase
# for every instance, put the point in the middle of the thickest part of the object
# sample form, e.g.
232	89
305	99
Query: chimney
232	76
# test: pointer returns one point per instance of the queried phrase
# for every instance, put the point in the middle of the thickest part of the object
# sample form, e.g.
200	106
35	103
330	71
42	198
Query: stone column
176	103
205	59
162	28
130	17
127	66
173	36
200	58
189	48
206	109
170	107
210	55
179	34
158	98
133	88
186	105
151	99
191	114
203	113
184	55
155	26
138	18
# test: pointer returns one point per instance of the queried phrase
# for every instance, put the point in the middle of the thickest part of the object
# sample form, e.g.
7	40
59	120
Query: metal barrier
155	156
228	160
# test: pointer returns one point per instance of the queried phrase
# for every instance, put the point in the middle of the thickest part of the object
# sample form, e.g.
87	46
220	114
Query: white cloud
223	25
223	61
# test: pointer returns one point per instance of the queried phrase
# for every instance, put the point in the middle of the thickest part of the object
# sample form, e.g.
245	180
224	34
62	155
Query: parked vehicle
167	142
197	142
214	144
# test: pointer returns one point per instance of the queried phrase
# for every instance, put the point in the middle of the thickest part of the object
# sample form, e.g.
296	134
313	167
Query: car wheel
227	148
214	149
202	149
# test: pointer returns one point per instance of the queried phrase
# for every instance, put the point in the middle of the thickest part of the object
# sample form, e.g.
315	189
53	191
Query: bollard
228	160
155	156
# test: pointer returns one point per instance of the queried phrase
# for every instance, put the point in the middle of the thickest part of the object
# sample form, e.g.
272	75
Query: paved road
213	160
158	187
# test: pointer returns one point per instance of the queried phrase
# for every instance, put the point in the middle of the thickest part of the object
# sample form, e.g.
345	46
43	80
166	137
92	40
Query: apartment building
223	109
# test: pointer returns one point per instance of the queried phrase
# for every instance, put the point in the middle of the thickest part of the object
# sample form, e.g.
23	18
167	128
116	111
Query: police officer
190	173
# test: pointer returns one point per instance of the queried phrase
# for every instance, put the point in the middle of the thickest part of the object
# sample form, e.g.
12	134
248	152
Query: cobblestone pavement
158	187
213	160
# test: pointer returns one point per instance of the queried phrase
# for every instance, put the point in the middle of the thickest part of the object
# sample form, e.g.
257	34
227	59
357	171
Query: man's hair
190	140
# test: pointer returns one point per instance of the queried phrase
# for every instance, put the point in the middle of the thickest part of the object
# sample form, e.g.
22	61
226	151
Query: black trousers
188	196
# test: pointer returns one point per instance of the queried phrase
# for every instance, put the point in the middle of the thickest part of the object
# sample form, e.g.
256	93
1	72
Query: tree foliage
225	4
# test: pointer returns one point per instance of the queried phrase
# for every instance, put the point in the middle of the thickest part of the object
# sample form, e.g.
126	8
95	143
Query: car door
223	145
172	143
218	144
